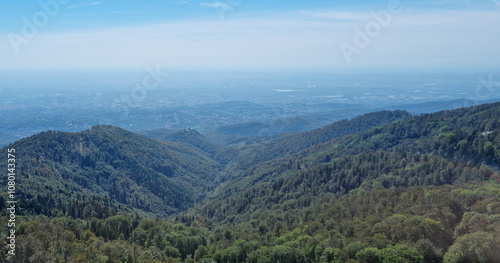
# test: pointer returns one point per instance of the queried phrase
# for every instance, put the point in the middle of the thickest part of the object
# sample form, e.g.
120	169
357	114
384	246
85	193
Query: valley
381	187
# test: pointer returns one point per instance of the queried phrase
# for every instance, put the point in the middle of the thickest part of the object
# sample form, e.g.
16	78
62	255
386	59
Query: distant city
75	101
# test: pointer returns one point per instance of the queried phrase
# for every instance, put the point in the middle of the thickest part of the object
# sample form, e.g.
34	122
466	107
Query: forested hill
288	144
155	176
187	136
383	187
423	150
239	159
351	191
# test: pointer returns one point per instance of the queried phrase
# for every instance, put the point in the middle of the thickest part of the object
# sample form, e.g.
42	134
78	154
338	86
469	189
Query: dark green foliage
475	247
293	143
383	187
187	137
158	177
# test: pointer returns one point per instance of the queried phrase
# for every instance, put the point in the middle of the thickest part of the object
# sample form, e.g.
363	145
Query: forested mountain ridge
187	136
384	187
468	135
431	149
293	143
460	148
155	176
244	157
160	177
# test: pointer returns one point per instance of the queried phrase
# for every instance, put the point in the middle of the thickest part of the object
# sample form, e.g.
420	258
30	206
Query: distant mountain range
227	123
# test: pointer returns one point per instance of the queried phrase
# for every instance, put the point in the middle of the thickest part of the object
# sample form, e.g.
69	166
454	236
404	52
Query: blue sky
250	35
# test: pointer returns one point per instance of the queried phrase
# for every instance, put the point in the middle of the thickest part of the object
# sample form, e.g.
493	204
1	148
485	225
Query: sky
251	35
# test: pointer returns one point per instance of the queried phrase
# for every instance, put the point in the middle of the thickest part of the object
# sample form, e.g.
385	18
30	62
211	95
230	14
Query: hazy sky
251	35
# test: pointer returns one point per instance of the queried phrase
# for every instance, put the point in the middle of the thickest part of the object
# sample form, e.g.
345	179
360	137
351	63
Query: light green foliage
475	247
400	253
423	189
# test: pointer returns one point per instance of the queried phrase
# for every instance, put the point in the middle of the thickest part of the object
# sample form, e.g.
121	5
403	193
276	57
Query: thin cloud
217	5
181	3
273	41
83	4
335	15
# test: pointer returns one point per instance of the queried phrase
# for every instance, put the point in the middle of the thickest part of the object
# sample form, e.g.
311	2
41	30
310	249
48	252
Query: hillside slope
465	138
383	187
155	176
239	159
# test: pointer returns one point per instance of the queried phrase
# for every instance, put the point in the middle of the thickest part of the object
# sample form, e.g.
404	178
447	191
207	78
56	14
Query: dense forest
382	187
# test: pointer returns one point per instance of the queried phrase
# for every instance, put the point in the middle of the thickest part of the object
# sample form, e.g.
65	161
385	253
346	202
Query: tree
475	247
400	253
353	248
231	255
471	222
368	255
281	254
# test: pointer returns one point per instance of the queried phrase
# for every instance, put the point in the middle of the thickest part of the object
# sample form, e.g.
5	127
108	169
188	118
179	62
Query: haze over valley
210	102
